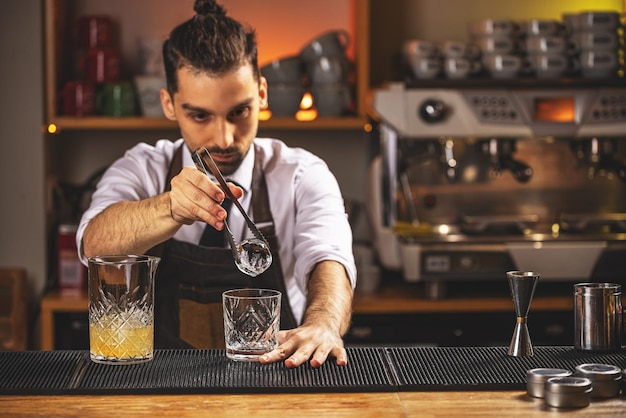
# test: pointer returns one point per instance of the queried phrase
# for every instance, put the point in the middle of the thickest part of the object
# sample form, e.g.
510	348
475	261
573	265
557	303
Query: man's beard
232	166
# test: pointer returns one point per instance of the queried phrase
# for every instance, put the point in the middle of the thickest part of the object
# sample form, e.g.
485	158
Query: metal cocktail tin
606	379
567	392
536	379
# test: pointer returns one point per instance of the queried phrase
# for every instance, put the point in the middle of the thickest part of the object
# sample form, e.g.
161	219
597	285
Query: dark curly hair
210	42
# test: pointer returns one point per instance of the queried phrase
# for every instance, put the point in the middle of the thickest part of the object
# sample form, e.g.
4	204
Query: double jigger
522	284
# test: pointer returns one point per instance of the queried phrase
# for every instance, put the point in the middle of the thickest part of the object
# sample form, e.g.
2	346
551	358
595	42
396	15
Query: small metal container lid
605	378
543	374
567	392
536	379
597	371
569	384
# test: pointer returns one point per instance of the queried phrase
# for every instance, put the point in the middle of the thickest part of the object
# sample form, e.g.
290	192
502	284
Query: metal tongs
204	162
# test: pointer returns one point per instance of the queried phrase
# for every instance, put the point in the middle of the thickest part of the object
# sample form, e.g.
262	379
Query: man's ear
167	104
262	92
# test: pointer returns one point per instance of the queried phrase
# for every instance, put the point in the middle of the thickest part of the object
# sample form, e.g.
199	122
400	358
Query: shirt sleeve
139	174
321	231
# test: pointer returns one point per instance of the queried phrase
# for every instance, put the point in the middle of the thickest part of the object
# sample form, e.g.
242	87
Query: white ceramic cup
502	65
547	65
594	40
149	94
549	44
419	48
591	20
425	68
598	20
495	44
457	49
598	64
540	27
459	68
151	56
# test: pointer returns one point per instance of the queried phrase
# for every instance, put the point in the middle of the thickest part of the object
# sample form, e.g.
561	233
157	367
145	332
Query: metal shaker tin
536	379
598	316
568	392
606	379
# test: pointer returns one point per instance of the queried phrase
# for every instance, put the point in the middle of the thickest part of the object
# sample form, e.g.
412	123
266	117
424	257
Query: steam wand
500	153
599	156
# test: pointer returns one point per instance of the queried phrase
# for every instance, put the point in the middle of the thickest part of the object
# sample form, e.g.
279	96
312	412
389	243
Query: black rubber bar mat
186	371
210	371
483	368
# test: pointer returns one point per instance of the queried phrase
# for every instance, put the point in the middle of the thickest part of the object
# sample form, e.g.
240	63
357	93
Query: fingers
236	190
194	197
296	350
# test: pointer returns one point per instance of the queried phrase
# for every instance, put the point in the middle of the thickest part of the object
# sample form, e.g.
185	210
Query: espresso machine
479	177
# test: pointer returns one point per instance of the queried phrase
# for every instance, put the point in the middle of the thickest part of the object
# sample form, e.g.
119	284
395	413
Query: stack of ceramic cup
422	58
285	79
497	40
99	70
460	60
96	51
594	43
545	48
151	77
97	62
328	71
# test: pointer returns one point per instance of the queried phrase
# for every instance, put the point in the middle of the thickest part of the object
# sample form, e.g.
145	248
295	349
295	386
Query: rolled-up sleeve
309	215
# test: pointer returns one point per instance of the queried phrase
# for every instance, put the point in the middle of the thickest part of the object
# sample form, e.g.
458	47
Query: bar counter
377	382
361	405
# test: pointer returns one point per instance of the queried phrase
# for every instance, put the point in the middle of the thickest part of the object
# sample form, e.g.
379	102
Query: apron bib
191	278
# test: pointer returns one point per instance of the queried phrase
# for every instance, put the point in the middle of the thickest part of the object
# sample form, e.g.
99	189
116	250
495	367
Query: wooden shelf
58	16
402	298
403	304
139	123
55	302
388	300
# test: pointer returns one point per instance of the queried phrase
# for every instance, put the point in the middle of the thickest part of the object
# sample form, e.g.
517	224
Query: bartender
153	200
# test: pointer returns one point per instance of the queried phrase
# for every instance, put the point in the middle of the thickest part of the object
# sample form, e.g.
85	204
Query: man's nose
225	135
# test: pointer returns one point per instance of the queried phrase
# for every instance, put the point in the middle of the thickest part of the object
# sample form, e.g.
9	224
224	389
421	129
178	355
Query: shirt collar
243	175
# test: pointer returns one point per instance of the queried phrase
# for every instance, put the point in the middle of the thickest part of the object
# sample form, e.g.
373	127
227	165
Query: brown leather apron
191	278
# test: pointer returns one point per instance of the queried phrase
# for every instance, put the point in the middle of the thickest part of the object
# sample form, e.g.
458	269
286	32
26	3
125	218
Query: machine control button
466	262
433	110
439	263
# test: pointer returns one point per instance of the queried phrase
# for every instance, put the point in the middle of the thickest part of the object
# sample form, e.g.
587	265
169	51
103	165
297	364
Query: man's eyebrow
188	106
193	108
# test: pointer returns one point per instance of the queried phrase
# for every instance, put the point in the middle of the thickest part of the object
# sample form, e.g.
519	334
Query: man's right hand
194	197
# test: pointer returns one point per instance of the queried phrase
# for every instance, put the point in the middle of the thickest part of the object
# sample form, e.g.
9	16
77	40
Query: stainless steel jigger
522	284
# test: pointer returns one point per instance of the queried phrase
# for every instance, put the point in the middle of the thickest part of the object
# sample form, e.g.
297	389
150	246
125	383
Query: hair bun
207	7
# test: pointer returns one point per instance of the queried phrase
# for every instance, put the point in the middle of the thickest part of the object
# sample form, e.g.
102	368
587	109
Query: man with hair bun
153	200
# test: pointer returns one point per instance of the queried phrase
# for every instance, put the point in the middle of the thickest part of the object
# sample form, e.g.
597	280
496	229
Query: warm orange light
306	115
307	112
307	101
52	128
560	109
265	114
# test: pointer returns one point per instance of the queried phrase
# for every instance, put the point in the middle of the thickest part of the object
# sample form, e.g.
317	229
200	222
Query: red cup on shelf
78	98
100	65
94	31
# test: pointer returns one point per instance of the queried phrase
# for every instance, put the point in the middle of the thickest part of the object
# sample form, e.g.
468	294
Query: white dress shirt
305	200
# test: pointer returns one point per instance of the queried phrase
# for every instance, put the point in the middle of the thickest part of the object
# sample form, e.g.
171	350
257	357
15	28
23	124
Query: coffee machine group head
500	152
